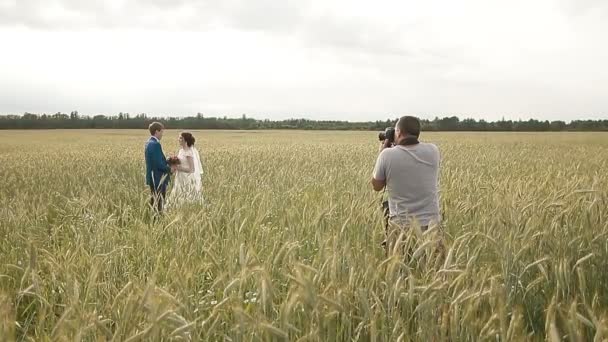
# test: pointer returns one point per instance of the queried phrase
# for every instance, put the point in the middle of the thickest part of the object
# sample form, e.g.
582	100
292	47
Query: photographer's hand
383	145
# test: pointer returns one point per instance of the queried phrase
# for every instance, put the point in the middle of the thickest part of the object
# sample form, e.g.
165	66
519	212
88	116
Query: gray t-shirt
411	174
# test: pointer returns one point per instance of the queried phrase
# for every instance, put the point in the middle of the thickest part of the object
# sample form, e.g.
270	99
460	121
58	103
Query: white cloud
353	59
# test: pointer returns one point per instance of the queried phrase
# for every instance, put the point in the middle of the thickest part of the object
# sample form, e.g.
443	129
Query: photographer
409	171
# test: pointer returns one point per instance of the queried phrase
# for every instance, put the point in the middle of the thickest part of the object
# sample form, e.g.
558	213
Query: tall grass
287	246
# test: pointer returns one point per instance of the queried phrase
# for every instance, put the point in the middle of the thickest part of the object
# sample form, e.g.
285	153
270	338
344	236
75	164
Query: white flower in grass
213	302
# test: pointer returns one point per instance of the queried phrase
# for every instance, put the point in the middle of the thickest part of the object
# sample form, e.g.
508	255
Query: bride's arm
187	168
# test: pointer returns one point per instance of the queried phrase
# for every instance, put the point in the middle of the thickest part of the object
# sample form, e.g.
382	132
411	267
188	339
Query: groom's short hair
155	127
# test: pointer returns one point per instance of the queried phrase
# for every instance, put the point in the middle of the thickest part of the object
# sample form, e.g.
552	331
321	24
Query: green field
287	245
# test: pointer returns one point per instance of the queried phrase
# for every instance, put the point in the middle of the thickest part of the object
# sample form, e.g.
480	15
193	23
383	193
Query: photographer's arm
379	175
378	185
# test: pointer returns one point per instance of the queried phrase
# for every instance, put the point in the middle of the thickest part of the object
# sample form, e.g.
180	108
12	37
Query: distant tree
29	116
123	120
449	124
557	125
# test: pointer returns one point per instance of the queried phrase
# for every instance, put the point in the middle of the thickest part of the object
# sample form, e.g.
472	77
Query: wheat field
287	245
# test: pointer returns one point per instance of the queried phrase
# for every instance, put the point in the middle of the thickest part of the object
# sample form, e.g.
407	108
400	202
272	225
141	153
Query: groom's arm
159	162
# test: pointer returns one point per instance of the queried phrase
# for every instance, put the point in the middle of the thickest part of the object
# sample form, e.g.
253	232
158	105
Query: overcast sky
325	59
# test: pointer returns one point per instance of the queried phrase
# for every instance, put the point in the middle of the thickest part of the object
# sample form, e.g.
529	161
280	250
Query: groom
158	172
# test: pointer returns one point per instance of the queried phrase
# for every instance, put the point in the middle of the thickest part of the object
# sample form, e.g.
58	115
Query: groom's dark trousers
157	199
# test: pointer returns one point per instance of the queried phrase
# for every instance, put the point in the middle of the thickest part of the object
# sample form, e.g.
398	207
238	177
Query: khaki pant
408	241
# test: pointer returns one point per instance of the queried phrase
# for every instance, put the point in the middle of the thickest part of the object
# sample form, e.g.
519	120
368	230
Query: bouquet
173	160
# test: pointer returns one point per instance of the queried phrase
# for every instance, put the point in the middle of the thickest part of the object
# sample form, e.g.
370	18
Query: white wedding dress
187	186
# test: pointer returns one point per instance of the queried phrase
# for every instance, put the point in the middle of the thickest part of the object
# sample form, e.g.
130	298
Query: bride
187	186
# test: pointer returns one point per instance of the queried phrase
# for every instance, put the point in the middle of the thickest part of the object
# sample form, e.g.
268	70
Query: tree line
199	121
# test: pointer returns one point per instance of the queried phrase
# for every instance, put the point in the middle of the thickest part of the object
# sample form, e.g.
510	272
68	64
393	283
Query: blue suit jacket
157	169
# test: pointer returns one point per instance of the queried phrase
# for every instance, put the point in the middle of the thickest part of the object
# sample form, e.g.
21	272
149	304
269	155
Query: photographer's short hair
409	125
155	127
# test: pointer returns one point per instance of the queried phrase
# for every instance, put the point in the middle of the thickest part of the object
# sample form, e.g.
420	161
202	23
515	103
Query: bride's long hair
190	140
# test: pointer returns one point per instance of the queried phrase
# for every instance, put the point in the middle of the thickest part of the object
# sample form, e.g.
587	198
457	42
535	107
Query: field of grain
287	245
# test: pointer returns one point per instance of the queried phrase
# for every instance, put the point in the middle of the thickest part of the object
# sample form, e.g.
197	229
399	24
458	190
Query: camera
388	134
